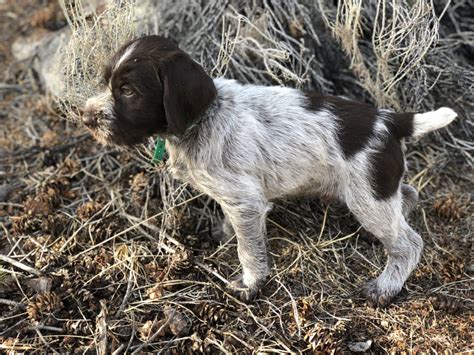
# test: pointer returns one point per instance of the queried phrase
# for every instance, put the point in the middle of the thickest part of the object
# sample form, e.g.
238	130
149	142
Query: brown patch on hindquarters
388	168
356	126
356	120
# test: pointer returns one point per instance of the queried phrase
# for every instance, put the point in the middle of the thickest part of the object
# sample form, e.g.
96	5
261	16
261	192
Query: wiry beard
106	134
103	136
109	134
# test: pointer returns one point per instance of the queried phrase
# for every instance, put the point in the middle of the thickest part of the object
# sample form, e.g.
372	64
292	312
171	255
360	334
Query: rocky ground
101	251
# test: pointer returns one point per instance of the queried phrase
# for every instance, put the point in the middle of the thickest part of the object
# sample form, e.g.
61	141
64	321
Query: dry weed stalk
402	35
95	34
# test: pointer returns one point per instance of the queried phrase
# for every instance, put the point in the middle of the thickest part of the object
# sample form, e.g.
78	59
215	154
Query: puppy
245	145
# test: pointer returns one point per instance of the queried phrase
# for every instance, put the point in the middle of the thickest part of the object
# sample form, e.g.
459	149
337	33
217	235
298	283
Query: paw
378	297
244	293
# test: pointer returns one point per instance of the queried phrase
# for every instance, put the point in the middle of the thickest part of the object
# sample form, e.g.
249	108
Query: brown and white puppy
245	145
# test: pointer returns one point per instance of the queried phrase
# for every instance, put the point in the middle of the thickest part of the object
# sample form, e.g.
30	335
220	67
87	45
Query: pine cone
55	223
181	261
54	188
196	344
213	313
325	338
69	167
78	327
86	265
105	228
48	259
451	267
448	304
47	198
200	329
38	205
25	224
448	208
87	210
150	327
43	304
139	184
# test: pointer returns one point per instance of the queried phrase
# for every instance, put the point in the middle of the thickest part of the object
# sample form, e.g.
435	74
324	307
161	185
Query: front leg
247	216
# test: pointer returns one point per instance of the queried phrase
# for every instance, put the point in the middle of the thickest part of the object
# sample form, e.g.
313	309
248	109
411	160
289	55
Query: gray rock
41	47
360	346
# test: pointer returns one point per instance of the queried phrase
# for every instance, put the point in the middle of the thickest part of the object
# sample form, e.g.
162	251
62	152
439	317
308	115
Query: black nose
90	119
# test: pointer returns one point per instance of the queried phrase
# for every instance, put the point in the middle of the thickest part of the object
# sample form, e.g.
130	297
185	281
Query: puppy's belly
320	183
325	186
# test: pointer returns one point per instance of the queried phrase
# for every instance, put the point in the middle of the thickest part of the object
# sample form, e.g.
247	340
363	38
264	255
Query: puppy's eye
127	91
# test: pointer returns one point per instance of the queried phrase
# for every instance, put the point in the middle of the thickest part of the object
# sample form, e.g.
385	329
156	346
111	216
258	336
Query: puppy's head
152	87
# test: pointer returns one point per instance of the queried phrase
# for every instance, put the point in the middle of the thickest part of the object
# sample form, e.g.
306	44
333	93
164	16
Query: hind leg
222	231
403	256
410	199
385	220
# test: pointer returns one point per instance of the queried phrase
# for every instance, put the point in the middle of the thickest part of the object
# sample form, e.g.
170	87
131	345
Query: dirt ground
102	251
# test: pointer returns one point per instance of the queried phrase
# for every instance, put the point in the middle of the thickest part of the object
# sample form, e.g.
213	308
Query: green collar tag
159	149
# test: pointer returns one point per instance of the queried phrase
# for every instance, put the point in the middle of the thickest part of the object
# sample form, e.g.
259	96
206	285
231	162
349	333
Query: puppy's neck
198	130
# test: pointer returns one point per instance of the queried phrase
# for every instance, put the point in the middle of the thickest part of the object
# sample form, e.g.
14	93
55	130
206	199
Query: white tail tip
433	120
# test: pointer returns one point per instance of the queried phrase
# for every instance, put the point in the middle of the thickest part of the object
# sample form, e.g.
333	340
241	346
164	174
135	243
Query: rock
40	285
51	77
42	46
470	268
26	47
360	346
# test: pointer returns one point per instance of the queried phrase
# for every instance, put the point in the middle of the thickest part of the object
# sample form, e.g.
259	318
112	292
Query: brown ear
188	91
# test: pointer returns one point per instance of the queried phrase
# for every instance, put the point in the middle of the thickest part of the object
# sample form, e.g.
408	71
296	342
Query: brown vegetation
100	250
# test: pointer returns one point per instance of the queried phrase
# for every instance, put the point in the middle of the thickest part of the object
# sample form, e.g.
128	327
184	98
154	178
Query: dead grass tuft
401	36
96	32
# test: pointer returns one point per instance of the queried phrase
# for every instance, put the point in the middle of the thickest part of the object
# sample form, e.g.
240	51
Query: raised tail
417	124
432	120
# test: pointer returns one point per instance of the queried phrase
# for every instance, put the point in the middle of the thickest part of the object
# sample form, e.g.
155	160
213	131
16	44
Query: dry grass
95	34
103	251
402	35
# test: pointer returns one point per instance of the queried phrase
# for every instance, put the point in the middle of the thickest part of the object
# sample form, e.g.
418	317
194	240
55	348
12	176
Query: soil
116	256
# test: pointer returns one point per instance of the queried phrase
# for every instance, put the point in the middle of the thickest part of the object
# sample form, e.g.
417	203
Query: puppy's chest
178	168
181	167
